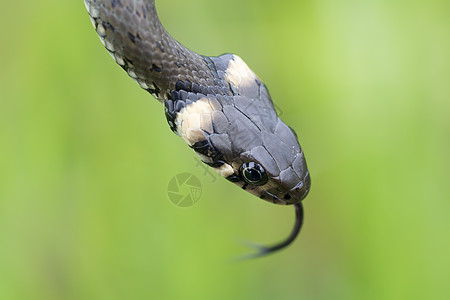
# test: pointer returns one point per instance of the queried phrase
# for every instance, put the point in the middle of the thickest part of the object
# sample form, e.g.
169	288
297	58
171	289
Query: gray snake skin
220	108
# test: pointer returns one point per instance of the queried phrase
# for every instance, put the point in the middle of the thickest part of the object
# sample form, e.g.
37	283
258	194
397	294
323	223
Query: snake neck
134	36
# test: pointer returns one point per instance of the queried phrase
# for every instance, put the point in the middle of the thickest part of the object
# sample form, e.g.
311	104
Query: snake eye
253	173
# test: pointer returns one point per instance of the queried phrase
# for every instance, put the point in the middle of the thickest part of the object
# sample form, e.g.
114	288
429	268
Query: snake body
220	108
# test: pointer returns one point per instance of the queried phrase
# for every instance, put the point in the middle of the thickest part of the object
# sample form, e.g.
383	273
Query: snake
216	104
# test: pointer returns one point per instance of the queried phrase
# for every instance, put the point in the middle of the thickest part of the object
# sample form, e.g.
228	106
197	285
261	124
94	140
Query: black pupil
252	175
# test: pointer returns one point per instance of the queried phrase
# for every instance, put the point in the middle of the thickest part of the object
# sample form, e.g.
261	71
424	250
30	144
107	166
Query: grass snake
217	105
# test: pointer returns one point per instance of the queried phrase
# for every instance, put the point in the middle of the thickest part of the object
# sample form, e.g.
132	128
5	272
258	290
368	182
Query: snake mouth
271	197
292	196
279	197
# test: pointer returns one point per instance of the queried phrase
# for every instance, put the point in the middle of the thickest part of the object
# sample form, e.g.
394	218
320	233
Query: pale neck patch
238	73
193	121
225	170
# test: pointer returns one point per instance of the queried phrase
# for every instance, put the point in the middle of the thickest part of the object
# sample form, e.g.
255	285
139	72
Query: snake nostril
287	197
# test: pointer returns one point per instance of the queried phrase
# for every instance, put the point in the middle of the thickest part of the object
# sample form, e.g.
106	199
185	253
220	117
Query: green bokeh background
86	156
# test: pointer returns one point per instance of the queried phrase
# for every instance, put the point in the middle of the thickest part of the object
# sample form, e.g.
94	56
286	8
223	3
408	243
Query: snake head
240	135
266	157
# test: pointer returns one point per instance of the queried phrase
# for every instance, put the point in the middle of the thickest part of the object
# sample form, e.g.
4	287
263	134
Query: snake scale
217	105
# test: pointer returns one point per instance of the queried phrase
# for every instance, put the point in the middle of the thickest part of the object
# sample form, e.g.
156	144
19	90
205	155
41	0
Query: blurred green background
86	156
